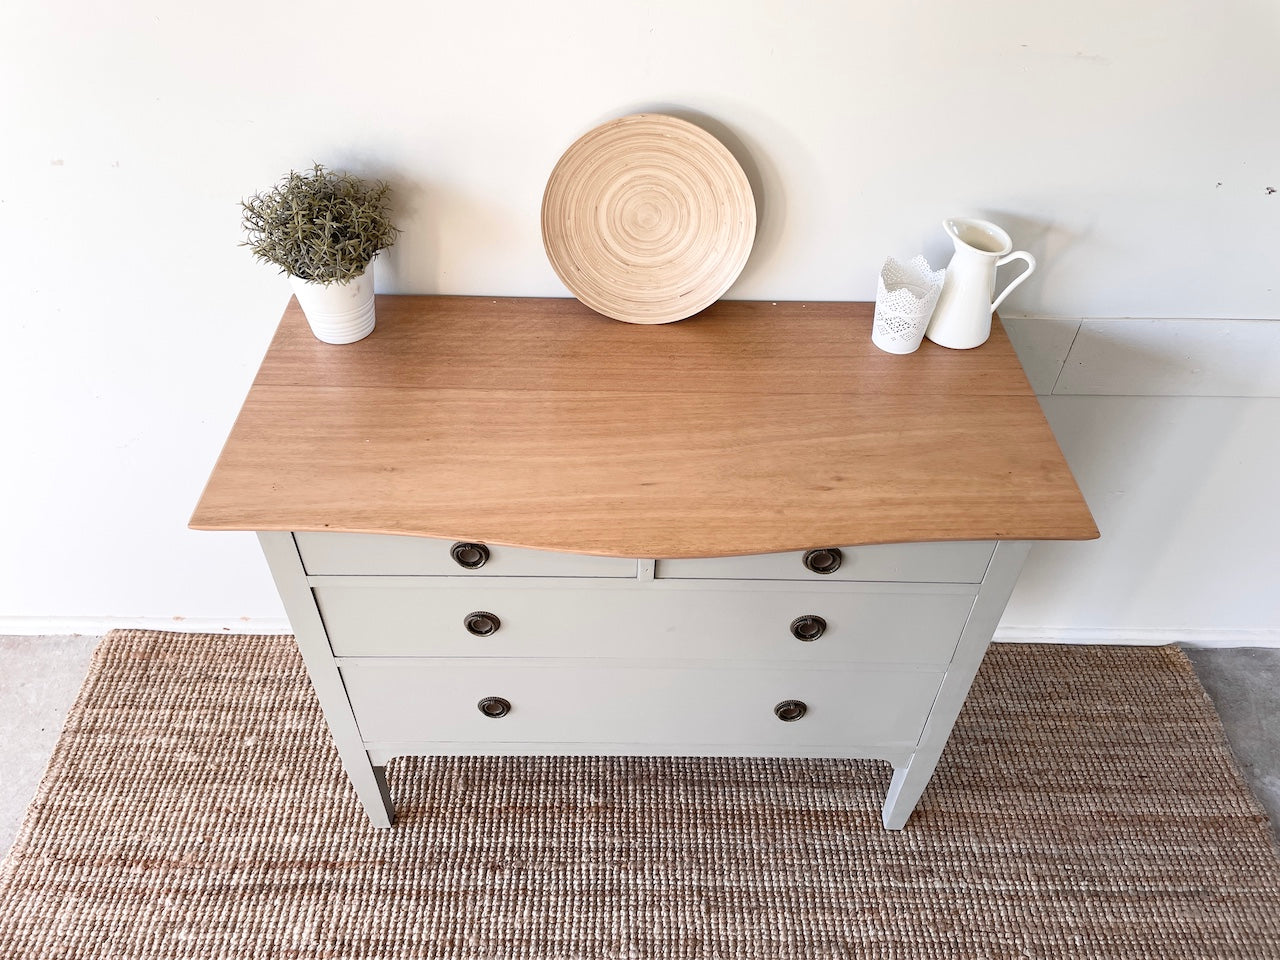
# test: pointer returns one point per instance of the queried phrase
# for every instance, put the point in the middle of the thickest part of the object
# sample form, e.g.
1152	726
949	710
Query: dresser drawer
948	562
392	617
379	555
415	700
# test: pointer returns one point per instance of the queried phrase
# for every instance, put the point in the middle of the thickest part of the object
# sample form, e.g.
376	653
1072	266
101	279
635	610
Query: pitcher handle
1016	255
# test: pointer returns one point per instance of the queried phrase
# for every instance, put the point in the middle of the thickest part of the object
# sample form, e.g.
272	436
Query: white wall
1130	147
1171	428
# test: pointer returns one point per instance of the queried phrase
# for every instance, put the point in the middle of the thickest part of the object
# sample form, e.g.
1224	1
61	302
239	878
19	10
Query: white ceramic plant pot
338	312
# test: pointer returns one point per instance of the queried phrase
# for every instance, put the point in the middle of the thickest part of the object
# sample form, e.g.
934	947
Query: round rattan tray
648	219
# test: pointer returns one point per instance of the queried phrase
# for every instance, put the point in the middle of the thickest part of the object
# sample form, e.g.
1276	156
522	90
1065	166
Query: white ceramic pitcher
962	318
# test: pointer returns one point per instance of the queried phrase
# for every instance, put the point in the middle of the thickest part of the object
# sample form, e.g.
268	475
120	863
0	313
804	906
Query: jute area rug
1087	806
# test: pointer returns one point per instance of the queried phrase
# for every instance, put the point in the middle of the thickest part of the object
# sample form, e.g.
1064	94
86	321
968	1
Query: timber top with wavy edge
754	427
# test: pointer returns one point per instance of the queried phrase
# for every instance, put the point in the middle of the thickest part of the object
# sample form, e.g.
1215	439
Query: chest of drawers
633	583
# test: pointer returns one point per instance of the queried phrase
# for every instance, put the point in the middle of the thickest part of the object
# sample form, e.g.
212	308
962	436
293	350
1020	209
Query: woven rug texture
1087	806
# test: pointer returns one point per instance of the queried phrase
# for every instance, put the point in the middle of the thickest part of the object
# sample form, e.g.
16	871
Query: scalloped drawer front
638	703
964	561
325	554
368	617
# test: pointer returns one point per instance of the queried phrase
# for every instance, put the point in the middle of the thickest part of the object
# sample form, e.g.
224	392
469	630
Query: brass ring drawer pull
481	623
473	556
809	627
494	707
824	560
789	711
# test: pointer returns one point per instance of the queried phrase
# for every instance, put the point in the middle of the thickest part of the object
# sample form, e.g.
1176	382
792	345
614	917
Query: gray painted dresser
512	527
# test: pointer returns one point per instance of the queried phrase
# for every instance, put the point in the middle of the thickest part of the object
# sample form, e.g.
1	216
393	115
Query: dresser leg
905	789
376	798
370	784
369	781
910	780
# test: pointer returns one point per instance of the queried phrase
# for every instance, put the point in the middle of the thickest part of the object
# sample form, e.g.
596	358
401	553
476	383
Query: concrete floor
1244	684
39	680
40	676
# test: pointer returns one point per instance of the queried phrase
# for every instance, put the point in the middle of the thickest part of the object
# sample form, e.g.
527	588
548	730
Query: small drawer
963	561
326	554
640	703
731	622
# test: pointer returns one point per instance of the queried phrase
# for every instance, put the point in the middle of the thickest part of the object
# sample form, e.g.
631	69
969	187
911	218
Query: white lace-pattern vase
905	297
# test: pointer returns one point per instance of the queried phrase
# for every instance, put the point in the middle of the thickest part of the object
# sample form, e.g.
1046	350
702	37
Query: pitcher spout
980	236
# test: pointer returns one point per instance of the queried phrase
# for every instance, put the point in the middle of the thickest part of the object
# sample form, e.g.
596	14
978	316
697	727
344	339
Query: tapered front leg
381	811
370	782
910	780
906	788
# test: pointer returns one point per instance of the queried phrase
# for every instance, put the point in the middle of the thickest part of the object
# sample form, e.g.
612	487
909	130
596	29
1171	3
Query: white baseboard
100	626
1153	637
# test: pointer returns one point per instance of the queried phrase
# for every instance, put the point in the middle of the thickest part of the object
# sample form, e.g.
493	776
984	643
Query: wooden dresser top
753	427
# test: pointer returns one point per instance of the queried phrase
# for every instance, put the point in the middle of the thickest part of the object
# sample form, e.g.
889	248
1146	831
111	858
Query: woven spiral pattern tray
648	219
1087	807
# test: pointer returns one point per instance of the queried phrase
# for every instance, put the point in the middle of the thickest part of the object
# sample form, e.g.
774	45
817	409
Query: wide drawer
382	555
390	617
416	700
956	562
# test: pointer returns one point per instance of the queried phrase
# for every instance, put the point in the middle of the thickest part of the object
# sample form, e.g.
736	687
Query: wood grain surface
751	428
648	219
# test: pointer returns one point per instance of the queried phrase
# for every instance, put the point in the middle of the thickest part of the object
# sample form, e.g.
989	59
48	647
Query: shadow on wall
414	258
414	261
1045	240
419	262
